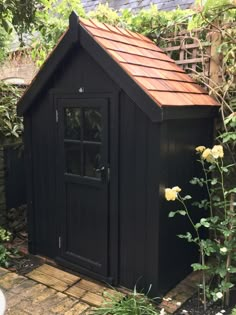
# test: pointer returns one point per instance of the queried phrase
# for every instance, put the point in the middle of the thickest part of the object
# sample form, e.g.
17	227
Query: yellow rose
207	155
176	188
171	194
217	151
200	149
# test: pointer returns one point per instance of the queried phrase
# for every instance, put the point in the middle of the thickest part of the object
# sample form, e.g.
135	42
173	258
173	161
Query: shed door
83	182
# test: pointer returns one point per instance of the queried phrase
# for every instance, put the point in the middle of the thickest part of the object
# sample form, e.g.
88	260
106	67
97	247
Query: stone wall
18	69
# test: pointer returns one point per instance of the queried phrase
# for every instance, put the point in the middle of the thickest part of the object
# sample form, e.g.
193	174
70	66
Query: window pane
72	123
92	160
73	158
92	125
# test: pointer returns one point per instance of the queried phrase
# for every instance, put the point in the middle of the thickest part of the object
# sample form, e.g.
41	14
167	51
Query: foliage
52	21
132	304
233	311
154	23
220	222
105	14
4	253
18	15
11	125
3	45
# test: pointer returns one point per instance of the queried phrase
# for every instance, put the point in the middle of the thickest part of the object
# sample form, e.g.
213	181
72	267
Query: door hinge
56	115
59	242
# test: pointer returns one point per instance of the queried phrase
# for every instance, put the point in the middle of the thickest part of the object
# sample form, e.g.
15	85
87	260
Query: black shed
110	121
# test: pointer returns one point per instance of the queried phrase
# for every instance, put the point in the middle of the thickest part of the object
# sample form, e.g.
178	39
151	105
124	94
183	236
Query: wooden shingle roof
147	75
148	65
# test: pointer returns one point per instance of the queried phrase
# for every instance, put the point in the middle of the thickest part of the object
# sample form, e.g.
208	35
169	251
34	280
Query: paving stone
58	274
90	286
77	309
31	299
76	291
24	287
10	279
53	277
89	311
42	307
48	280
113	294
16	312
92	299
44	295
64	306
3	271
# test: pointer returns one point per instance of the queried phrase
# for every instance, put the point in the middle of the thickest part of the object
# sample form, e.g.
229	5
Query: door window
83	141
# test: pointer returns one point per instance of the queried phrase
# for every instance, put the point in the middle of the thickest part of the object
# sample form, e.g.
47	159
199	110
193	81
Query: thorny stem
228	261
209	193
203	278
189	217
222	186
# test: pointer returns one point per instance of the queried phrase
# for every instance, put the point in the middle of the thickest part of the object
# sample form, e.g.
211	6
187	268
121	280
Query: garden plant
133	304
219	221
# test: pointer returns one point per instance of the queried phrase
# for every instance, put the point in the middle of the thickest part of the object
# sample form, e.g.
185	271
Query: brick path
48	290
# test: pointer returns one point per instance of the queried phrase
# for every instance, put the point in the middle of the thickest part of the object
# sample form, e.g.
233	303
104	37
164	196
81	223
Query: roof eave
190	112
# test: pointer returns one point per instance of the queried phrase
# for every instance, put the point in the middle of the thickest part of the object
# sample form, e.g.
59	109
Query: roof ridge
110	28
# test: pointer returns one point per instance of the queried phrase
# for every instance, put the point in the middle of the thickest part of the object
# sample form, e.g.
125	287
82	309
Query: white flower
219	295
219	313
162	312
178	303
223	250
222	311
167	299
184	312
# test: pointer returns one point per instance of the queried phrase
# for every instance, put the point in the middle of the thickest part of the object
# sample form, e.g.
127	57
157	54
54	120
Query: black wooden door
83	180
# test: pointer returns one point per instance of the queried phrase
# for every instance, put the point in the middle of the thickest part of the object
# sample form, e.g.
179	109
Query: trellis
191	51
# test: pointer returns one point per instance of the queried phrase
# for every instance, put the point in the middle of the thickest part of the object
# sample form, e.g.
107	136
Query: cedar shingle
148	65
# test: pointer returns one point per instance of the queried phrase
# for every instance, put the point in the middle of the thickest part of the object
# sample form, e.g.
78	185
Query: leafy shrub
4	252
11	126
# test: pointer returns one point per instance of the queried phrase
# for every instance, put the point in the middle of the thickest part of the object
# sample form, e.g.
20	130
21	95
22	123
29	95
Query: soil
194	307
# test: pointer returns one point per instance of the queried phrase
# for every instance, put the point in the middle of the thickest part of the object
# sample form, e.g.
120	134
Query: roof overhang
76	34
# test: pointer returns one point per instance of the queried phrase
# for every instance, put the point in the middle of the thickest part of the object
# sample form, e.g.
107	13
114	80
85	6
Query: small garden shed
110	121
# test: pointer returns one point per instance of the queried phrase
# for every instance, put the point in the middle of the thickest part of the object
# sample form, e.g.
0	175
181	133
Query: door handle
100	169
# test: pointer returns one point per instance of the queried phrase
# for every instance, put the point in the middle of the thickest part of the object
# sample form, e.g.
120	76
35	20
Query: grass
132	304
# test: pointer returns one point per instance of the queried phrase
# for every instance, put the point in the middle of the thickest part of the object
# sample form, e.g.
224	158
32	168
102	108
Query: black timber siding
78	70
178	159
139	197
145	158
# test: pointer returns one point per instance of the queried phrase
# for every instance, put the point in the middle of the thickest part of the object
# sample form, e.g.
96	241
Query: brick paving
48	290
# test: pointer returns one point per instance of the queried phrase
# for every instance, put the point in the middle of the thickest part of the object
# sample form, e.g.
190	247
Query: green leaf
199	267
187	197
204	223
214	181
